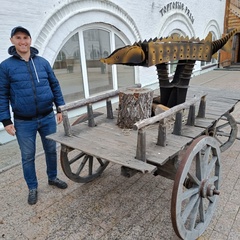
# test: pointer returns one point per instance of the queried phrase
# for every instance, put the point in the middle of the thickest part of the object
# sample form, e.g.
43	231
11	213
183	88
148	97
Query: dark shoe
32	196
58	183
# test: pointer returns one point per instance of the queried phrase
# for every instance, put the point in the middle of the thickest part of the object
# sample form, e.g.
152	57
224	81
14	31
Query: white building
74	34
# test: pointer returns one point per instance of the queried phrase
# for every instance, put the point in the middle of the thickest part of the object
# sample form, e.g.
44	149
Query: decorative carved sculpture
161	51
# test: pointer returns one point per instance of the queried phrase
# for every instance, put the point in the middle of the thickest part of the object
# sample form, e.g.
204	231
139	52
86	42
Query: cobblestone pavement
112	207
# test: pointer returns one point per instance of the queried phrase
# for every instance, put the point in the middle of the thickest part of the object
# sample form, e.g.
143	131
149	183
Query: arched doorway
75	44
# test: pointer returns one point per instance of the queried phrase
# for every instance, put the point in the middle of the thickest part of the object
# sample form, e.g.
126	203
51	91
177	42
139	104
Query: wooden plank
212	116
204	122
160	155
126	141
216	104
215	92
216	111
112	139
98	98
192	131
227	103
221	104
103	151
221	99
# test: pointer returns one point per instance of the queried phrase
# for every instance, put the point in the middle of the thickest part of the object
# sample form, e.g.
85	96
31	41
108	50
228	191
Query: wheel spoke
201	210
206	154
223	118
189	207
223	125
216	137
213	179
193	215
189	193
90	167
100	161
193	178
81	166
205	161
211	199
223	134
211	166
199	166
76	158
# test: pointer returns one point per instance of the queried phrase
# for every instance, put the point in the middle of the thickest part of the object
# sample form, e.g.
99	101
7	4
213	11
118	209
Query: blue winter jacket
30	87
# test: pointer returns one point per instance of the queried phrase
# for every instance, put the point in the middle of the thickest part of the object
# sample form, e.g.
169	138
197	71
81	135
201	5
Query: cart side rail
148	121
141	125
88	102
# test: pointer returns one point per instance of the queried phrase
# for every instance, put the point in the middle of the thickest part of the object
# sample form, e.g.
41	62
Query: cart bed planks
94	143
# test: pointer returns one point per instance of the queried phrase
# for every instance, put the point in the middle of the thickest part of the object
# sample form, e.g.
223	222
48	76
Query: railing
141	125
88	102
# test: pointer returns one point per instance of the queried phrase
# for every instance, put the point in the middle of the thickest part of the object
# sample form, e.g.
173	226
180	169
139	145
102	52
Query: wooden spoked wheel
226	131
196	188
79	166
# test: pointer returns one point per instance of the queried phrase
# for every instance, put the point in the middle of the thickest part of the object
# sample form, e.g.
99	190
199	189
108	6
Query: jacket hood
12	51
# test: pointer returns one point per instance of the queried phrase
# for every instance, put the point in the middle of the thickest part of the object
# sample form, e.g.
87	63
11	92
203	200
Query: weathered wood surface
171	111
84	102
109	142
204	122
213	93
86	143
192	131
216	103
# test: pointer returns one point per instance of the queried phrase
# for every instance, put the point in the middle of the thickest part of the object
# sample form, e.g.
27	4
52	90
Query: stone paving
112	207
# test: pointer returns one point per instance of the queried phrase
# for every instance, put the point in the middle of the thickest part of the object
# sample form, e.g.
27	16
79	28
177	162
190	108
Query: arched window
81	74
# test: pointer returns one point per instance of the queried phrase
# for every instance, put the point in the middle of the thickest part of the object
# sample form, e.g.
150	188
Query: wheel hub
207	189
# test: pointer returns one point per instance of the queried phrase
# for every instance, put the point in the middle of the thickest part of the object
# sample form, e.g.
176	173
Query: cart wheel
226	131
196	188
79	166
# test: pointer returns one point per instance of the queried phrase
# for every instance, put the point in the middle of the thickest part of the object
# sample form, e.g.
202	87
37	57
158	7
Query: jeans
26	131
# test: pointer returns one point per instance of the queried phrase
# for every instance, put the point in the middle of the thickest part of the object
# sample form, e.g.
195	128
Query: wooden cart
183	143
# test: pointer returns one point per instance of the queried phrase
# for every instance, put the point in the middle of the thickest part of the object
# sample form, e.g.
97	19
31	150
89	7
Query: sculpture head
128	55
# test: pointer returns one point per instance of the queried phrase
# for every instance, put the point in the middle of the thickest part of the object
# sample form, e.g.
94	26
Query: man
28	83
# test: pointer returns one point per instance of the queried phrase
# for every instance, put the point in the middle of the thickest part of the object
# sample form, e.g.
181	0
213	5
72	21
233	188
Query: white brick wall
145	14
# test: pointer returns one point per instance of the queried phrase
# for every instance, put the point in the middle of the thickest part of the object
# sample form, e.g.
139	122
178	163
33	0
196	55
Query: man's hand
10	129
59	118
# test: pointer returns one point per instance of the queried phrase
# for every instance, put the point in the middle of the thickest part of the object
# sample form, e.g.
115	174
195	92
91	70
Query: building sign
177	5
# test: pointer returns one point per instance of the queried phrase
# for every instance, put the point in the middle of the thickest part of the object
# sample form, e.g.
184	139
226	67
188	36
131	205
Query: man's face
22	42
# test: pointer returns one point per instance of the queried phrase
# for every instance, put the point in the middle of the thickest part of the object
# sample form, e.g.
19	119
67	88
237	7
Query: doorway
236	49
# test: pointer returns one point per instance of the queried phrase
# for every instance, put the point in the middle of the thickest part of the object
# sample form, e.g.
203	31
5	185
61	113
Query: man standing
28	83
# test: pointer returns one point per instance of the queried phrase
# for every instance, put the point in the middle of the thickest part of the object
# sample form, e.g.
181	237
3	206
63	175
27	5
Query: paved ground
112	207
